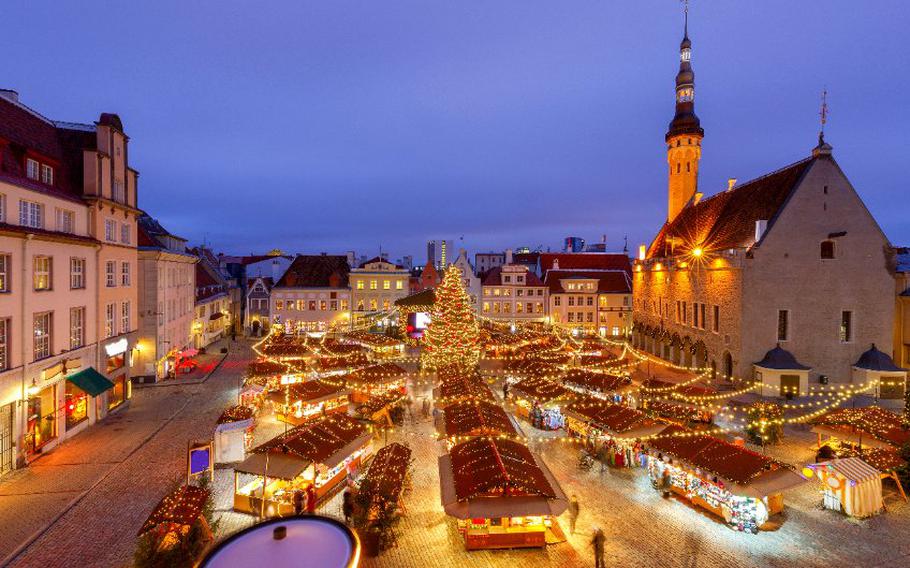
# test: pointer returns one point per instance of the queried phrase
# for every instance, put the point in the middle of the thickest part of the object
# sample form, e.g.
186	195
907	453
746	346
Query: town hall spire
684	134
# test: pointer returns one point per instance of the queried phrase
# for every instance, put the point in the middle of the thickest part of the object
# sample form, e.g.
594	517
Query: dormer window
32	169
47	174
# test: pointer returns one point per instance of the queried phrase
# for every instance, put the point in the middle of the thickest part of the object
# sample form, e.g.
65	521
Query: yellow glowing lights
697	252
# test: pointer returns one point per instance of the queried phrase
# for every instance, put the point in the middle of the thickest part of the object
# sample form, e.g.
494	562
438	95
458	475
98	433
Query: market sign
199	459
117	347
291	379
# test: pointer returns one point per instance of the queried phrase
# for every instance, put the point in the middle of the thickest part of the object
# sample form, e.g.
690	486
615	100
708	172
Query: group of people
305	500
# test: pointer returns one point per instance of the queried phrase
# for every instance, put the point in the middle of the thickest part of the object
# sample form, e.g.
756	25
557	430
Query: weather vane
824	116
686	12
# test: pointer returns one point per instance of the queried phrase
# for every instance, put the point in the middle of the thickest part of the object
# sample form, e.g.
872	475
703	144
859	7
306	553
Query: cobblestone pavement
103	483
642	528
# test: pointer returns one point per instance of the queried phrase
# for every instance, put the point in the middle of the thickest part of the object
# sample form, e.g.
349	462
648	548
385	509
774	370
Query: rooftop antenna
824	117
686	13
625	245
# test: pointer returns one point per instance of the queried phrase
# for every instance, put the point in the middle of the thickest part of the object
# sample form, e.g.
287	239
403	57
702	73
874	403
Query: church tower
684	135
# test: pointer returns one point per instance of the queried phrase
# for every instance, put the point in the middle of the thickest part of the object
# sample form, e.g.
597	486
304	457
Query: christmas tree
452	337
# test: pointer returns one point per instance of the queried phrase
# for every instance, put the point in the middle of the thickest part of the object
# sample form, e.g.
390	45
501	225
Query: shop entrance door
6	438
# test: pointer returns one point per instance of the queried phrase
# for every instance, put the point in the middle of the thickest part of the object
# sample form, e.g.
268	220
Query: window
571	316
557	301
77	273
43	325
322	305
125	317
4	272
374	284
590	317
360	284
519	292
344	305
110	272
373	305
279	305
704	323
519	308
783	325
110	230
109	323
506	308
117	191
47	174
715	322
846	326
385	305
539	308
2	208
125	274
399	285
571	300
333	305
66	221
32	169
4	344
125	234
486	307
42	272
826	249
590	301
386	284
31	214
77	327
685	313
694	314
507	279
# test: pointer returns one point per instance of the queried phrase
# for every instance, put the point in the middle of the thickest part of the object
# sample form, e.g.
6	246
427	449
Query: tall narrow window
110	313
42	328
47	174
125	274
125	234
77	327
783	325
125	317
110	230
77	273
4	344
694	314
32	169
4	272
826	249
846	326
715	323
704	324
42	272
110	273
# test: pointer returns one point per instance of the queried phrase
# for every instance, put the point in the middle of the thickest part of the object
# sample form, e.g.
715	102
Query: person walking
598	542
505	390
299	498
573	513
602	456
347	505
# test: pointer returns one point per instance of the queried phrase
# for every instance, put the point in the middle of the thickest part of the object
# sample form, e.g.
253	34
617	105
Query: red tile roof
494	278
586	261
727	220
316	271
608	282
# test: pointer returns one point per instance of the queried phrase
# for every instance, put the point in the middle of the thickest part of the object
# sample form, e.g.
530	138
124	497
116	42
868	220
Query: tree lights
453	336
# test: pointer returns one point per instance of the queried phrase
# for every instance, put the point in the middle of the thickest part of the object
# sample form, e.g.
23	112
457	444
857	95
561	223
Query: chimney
10	95
555	264
508	256
731	182
760	226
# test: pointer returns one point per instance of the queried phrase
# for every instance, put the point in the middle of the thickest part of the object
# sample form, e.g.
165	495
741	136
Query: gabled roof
586	261
380	259
608	282
494	278
727	220
316	271
489	466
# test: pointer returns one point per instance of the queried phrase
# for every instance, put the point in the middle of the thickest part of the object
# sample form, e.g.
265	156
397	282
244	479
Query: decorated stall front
850	485
320	454
612	388
469	418
742	487
385	378
611	431
301	402
233	434
381	346
502	495
681	403
540	401
175	515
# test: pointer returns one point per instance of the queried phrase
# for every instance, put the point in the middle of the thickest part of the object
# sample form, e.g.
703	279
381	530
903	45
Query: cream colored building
212	306
59	184
792	258
313	295
167	288
512	293
375	286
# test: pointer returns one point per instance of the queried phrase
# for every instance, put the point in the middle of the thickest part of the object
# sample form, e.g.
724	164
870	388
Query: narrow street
82	504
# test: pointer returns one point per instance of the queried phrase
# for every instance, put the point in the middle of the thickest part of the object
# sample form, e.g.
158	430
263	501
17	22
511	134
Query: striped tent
851	485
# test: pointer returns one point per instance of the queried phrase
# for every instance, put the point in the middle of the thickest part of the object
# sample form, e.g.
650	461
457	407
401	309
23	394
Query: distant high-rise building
407	261
574	244
438	252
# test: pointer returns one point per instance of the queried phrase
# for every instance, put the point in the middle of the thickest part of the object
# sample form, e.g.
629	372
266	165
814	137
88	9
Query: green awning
91	381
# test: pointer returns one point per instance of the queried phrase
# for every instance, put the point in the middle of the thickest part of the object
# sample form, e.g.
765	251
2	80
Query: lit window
386	284
360	284
42	272
43	324
374	284
399	285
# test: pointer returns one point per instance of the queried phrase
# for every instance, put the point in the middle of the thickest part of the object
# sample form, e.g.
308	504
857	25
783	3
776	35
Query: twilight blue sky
334	125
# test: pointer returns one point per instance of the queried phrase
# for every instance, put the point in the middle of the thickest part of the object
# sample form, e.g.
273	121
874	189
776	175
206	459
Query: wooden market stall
738	485
381	379
502	495
381	346
681	403
388	471
611	430
301	402
613	388
321	453
233	434
471	418
457	389
540	401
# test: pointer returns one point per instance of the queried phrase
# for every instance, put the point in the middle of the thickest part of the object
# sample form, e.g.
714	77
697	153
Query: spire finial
824	117
686	16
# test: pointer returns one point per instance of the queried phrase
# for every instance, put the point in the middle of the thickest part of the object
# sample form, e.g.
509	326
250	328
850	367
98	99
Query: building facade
469	279
313	295
213	306
792	258
258	306
512	293
375	285
67	259
439	254
167	290
486	261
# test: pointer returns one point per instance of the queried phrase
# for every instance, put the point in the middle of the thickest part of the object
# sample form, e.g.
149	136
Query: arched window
826	249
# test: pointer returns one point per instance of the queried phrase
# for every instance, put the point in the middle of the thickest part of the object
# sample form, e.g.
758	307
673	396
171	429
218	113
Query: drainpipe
23	418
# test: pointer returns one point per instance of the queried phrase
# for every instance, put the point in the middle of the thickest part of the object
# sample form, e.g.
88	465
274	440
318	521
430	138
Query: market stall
379	408
738	485
469	418
300	402
850	485
612	388
457	389
611	430
321	453
388	471
381	379
502	495
870	427
540	401
381	346
176	514
233	434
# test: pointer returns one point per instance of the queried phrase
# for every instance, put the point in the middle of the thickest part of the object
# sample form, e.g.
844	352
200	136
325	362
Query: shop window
76	405
42	419
117	395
